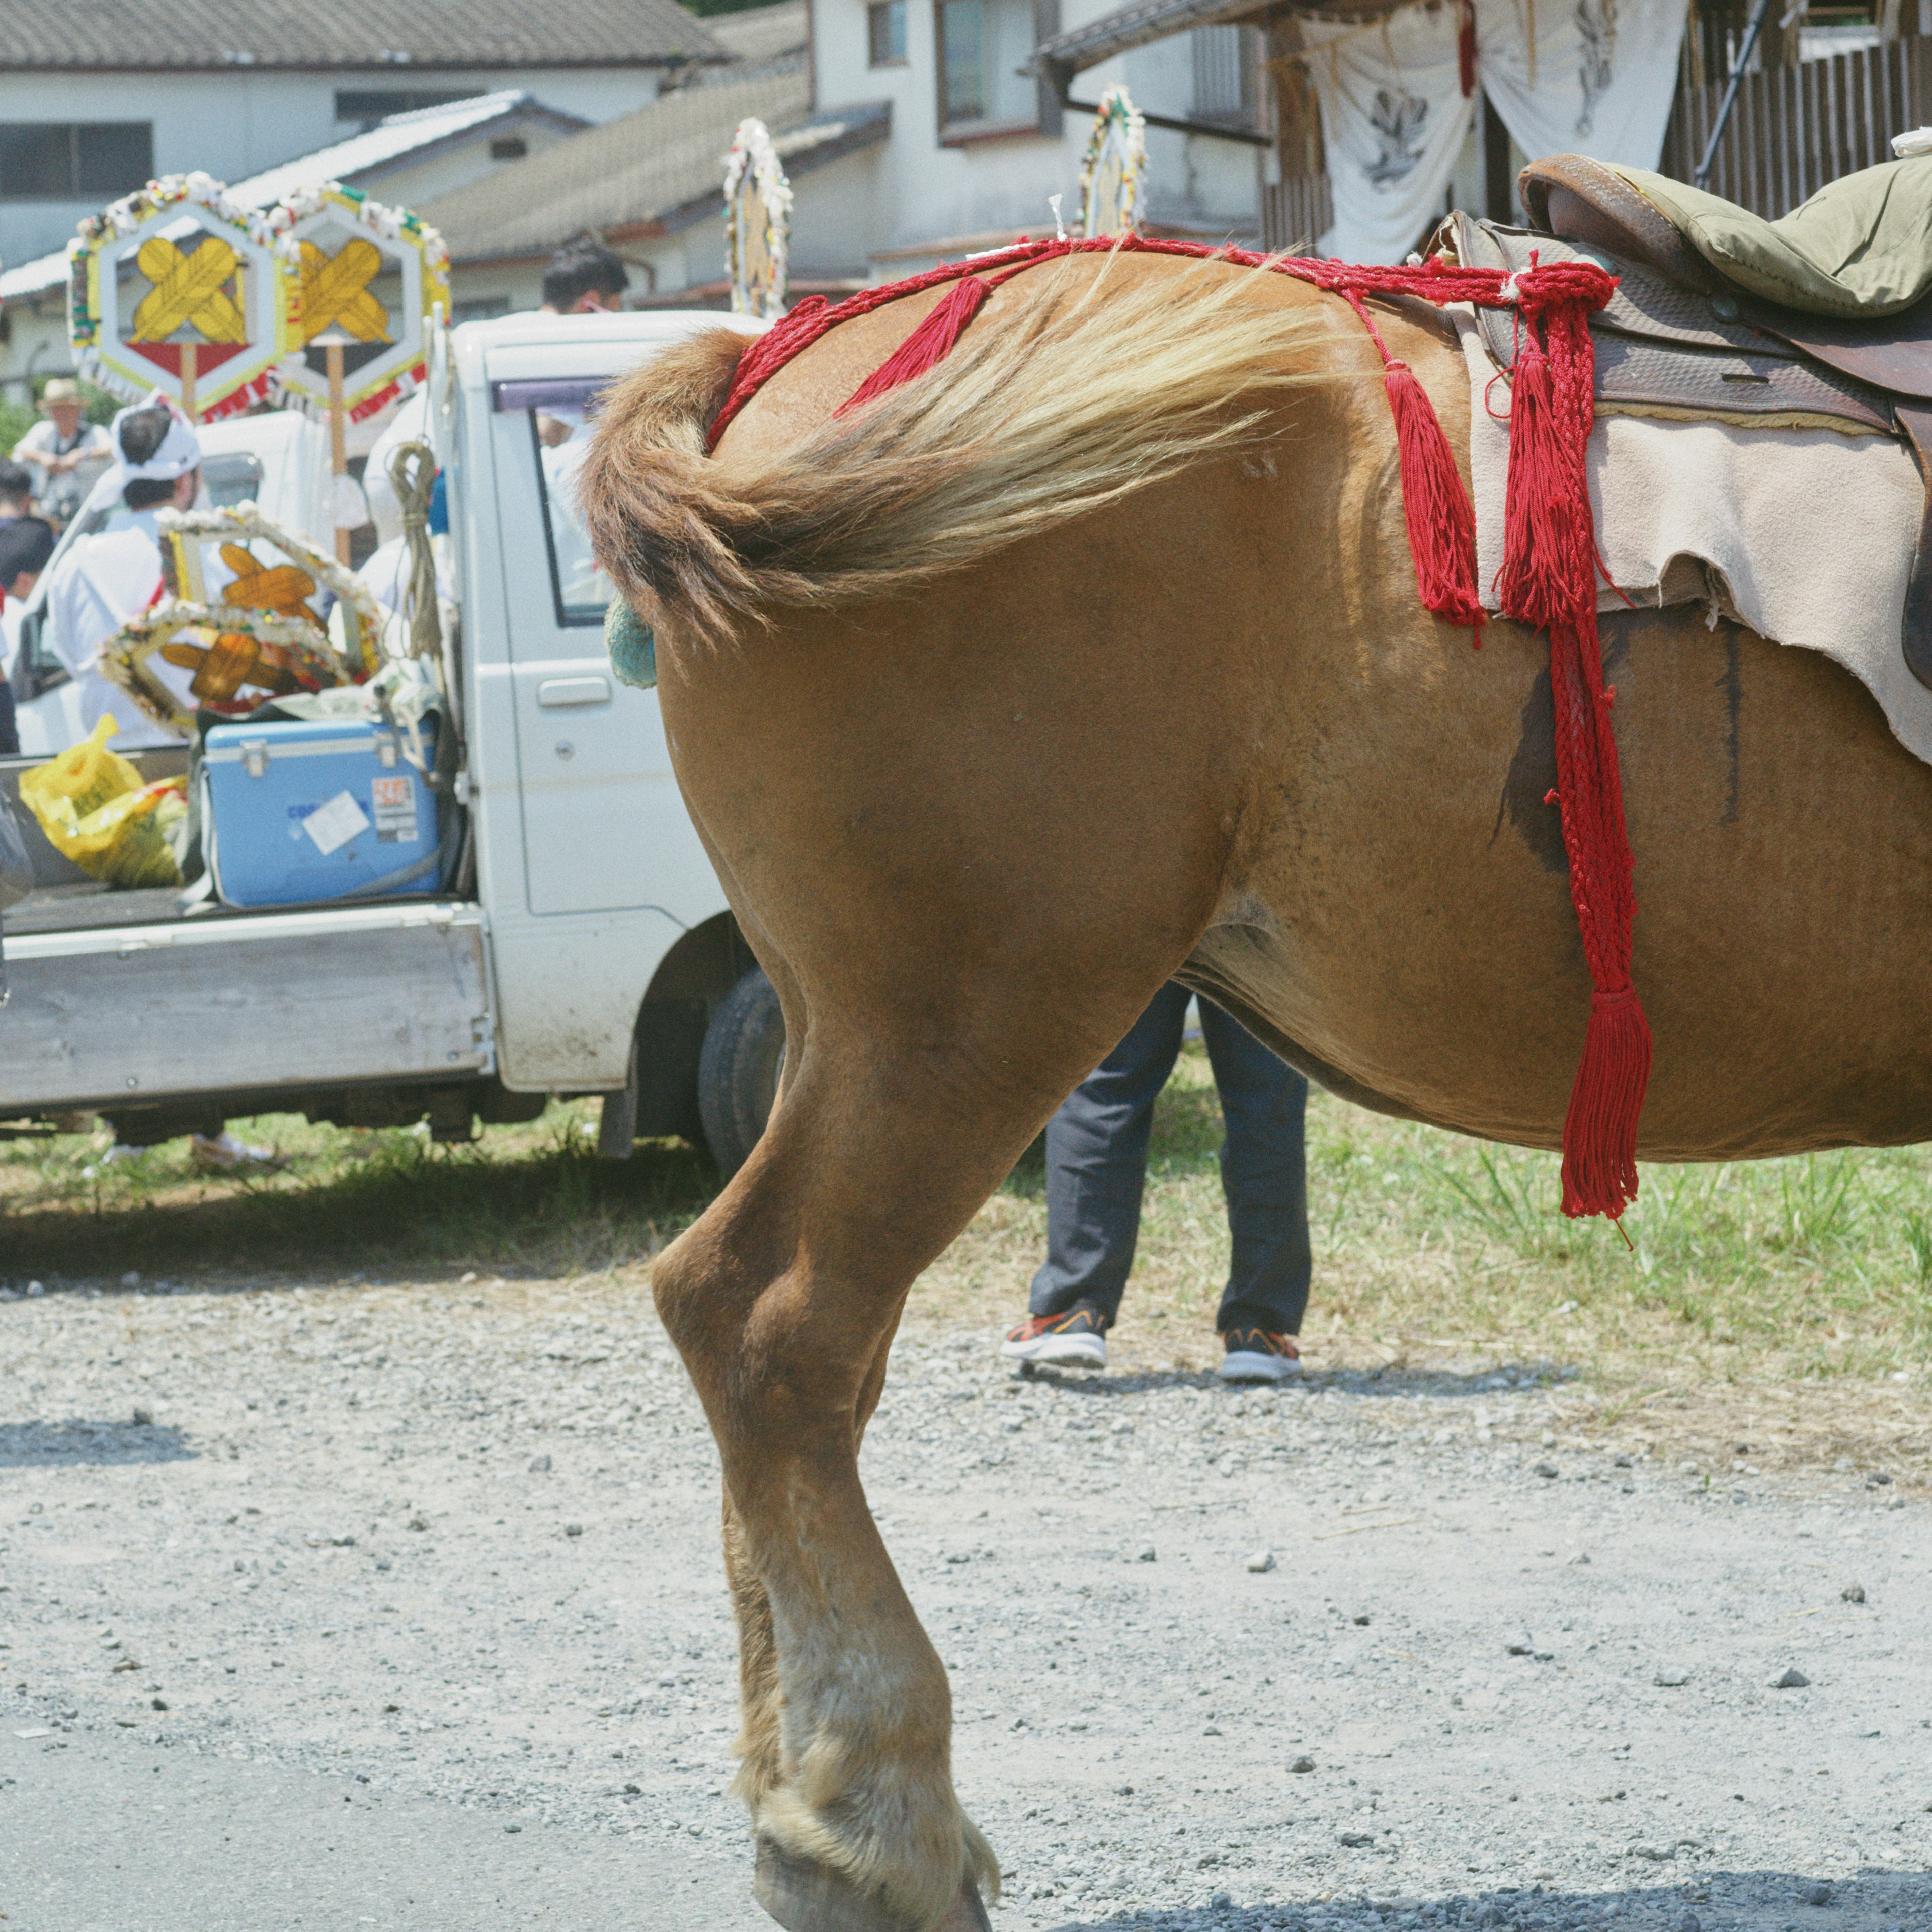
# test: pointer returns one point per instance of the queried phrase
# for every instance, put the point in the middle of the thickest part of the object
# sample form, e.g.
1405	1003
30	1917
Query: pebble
1853	1593
1672	1677
1791	1678
132	1279
573	1529
144	1418
1303	1764
1145	1554
1521	1644
539	1466
1261	1562
1818	1892
1547	1471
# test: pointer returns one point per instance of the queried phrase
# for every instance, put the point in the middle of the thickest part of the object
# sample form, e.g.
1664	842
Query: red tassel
1549	580
1441	520
1466	45
927	346
1537	583
1599	1129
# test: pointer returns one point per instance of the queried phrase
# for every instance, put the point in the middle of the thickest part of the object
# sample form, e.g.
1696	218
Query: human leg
1264	1175
1096	1150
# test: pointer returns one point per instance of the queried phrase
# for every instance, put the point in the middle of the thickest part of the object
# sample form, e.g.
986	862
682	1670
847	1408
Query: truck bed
88	906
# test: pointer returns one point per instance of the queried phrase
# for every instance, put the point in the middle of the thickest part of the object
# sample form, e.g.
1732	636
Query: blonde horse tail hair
1085	393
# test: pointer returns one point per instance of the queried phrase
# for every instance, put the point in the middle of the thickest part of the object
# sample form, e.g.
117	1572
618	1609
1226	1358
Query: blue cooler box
295	813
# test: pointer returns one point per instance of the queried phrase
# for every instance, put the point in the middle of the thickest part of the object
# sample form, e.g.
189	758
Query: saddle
1680	337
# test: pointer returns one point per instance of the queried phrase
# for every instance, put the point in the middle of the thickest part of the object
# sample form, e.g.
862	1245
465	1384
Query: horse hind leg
782	1301
802	1895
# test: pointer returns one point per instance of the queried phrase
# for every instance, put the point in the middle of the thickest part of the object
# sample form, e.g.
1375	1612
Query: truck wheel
738	1071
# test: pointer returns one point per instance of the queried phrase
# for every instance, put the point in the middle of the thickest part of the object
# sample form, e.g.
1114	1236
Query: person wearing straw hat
68	455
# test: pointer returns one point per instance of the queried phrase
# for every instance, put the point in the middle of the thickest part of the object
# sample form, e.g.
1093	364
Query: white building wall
238	122
925	192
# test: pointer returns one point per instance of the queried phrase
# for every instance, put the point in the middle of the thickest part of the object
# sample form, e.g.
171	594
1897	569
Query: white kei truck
578	944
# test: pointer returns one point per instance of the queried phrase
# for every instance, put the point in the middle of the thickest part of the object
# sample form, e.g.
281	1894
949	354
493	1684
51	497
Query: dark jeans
1096	1153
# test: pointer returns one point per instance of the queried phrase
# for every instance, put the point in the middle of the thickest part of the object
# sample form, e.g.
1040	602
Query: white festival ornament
1113	175
757	224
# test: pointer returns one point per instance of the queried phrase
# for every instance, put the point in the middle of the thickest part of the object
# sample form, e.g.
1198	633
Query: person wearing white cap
113	575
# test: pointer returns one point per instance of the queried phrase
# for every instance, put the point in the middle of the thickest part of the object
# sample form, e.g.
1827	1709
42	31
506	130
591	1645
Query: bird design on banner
1398	123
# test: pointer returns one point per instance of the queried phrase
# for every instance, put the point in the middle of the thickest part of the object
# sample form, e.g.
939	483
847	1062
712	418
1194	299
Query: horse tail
1084	392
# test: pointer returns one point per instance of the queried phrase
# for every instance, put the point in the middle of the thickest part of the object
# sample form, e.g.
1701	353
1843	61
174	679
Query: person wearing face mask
113	575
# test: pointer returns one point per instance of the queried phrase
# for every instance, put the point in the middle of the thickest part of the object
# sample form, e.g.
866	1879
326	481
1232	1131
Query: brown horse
1091	659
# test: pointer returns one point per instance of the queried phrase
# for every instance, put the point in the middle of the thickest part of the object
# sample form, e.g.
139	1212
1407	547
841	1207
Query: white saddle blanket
1805	535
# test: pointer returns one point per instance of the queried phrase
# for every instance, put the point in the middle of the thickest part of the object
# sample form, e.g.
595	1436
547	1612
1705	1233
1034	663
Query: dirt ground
450	1546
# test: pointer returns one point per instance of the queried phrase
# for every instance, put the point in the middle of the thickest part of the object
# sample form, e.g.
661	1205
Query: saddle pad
1805	536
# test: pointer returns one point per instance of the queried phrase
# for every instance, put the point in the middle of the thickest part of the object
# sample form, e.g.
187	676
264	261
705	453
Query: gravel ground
1394	1649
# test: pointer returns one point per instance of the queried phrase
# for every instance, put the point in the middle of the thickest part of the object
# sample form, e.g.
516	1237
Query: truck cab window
560	436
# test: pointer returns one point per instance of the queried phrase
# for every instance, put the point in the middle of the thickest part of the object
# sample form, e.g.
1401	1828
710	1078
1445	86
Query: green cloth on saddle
632	645
1862	247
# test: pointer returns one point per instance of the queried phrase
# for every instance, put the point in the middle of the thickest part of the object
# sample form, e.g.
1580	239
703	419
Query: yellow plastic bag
95	811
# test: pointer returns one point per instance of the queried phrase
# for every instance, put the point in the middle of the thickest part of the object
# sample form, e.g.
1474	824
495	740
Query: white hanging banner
1393	120
1595	77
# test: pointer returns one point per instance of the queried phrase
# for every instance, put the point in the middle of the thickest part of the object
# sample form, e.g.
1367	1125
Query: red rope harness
1548	580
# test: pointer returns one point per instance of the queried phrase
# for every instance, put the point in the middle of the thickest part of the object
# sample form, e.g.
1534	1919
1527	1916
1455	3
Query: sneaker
1077	1339
1254	1355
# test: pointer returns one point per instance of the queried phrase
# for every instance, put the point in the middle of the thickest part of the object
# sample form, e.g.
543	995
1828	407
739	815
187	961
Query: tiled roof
156	35
761	35
663	166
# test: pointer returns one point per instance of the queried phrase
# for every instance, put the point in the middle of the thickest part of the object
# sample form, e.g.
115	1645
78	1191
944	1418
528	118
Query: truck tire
738	1071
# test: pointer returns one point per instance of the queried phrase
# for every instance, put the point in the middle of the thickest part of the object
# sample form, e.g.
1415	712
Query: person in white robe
106	578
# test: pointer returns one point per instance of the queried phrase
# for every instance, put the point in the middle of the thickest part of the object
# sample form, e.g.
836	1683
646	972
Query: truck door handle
556	694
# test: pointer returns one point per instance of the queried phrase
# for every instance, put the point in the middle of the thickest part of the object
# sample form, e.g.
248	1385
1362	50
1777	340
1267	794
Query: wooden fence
1794	128
1295	210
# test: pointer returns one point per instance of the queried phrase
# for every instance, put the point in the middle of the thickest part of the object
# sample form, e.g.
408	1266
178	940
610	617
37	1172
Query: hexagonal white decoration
176	263
369	274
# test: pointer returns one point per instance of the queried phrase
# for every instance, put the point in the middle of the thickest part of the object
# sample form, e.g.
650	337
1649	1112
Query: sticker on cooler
395	802
336	823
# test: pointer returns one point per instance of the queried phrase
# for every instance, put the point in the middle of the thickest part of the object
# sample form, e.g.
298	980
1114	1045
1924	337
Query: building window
1225	61
74	161
367	105
885	32
509	147
982	45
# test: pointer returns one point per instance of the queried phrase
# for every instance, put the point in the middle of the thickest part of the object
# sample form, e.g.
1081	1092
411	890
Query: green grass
1426	1244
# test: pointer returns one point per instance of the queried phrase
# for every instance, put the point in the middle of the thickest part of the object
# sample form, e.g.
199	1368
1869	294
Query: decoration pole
190	355
338	459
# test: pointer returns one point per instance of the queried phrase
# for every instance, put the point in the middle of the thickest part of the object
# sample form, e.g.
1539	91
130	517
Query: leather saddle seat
1679	338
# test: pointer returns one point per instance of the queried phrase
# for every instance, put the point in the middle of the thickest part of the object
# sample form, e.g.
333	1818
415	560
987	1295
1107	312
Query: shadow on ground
1483	1382
42	1445
1757	1901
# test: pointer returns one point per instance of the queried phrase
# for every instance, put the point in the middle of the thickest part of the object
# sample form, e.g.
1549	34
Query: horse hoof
806	1897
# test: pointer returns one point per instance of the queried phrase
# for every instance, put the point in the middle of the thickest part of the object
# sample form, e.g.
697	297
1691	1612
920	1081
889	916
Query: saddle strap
1916	419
